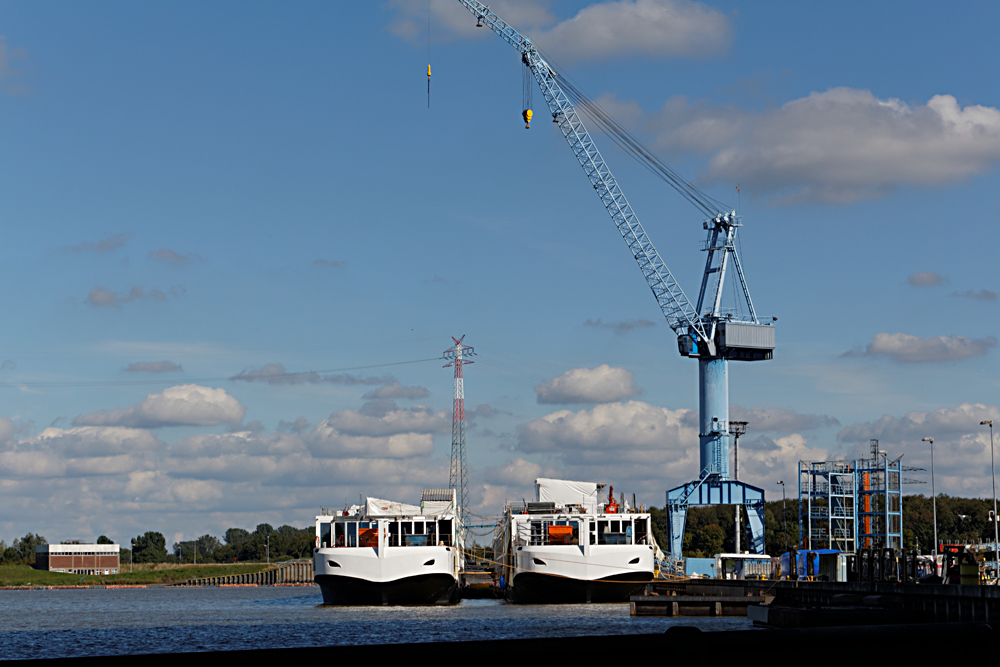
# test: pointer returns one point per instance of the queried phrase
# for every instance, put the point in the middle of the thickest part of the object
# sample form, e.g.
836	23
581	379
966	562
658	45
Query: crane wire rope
633	147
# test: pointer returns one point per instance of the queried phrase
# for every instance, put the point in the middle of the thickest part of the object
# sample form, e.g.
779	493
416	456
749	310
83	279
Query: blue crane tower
705	332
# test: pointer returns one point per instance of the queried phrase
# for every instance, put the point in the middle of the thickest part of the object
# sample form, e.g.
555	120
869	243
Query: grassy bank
145	573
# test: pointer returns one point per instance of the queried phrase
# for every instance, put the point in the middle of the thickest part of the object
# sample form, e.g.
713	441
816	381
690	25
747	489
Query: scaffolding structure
880	501
828	505
849	506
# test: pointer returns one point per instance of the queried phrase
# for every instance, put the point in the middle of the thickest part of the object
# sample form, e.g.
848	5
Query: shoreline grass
142	574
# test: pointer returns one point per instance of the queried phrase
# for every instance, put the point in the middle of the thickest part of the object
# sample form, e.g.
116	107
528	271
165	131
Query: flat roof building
77	558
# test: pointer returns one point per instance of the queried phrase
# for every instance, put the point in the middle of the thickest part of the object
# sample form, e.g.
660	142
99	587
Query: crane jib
697	335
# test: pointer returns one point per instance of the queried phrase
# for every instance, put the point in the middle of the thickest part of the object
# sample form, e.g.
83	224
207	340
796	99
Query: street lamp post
784	524
993	472
934	495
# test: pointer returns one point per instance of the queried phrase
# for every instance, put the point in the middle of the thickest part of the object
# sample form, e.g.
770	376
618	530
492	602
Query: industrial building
77	558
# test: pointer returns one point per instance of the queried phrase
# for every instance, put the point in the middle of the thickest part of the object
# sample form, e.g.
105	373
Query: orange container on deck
368	537
560	534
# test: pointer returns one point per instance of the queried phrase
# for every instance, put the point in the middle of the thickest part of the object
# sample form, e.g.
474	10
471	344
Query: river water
65	623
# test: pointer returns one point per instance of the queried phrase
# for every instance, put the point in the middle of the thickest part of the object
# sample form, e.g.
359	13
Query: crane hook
526	115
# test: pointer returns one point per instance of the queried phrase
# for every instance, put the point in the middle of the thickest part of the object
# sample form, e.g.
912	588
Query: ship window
394	534
352	534
324	535
340	538
444	532
537	536
641	531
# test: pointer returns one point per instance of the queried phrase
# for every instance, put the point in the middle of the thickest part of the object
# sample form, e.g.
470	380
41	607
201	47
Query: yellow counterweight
526	115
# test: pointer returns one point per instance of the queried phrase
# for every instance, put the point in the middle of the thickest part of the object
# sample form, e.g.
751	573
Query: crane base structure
713	490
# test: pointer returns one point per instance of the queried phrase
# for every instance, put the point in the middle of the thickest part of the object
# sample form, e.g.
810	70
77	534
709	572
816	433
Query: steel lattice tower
457	478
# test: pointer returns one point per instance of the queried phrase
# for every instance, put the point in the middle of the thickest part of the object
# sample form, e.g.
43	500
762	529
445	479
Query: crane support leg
713	399
713	490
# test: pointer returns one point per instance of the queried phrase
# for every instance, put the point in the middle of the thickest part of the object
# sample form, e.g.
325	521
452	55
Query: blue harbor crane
706	332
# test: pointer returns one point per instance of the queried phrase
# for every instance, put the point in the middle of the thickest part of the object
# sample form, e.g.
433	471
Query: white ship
389	553
568	546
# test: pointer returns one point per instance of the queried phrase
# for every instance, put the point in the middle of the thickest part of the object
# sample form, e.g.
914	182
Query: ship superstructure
389	553
572	546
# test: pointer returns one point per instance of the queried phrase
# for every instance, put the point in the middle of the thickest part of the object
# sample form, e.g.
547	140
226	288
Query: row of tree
238	545
710	530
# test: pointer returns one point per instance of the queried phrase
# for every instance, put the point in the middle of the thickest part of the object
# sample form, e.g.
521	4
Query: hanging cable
527	86
629	143
428	54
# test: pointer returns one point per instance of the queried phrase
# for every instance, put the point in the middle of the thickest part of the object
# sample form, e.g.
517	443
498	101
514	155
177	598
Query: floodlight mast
704	332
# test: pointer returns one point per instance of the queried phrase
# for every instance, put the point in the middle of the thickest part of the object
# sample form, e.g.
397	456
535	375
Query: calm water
50	624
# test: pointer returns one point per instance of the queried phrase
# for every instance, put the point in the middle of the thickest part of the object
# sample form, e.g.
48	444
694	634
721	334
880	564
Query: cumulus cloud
765	461
925	279
905	348
841	145
588	385
384	417
171	257
329	263
609	428
610	29
639	28
517	472
153	367
100	297
980	295
962	445
275	373
451	21
113	242
184	405
778	420
397	390
943	423
622	327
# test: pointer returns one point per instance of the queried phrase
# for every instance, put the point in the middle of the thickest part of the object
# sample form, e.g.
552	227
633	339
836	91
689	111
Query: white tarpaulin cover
441	508
563	492
377	507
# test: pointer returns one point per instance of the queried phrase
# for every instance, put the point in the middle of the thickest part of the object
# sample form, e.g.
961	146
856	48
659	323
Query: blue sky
230	190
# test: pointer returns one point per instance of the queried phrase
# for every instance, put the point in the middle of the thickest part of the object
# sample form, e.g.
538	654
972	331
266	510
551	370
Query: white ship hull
566	574
397	576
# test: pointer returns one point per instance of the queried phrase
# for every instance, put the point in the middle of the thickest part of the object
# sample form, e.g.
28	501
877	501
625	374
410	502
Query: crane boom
676	307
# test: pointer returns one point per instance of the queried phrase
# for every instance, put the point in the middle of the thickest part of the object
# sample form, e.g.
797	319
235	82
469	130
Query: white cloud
961	445
275	373
450	20
643	28
109	244
398	390
979	295
170	256
517	472
906	348
764	461
943	423
386	418
603	30
588	385
609	430
925	279
184	405
622	327
841	145
100	297
778	420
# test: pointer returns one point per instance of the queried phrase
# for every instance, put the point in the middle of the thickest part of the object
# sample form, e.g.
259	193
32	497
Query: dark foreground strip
974	643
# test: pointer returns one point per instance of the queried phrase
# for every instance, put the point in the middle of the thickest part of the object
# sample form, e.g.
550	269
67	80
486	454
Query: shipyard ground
970	643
